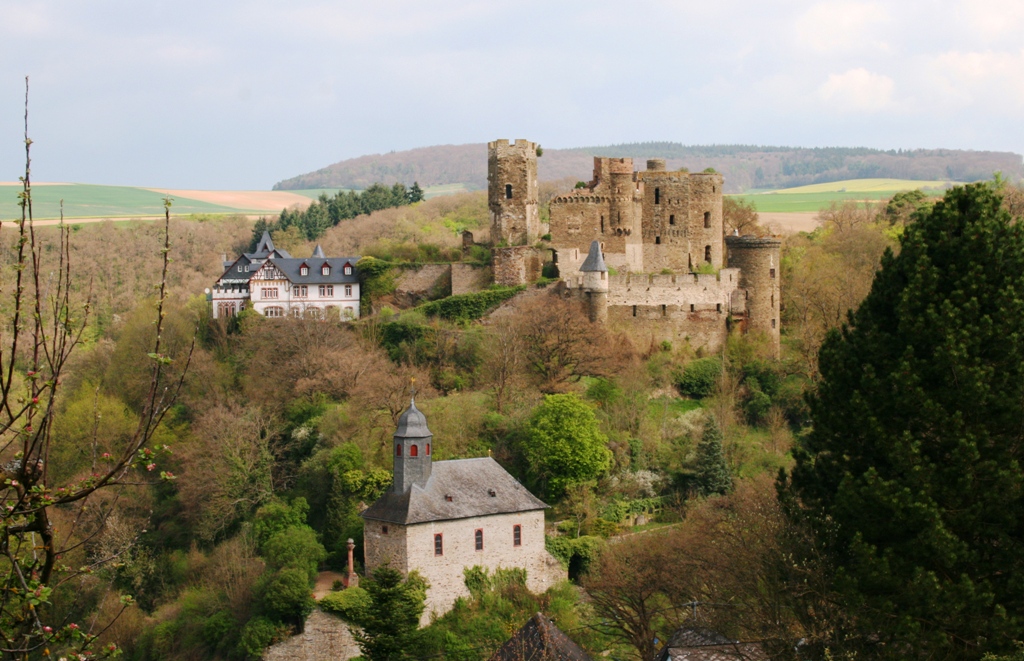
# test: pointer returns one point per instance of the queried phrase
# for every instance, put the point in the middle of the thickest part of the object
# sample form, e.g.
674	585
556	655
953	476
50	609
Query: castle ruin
646	250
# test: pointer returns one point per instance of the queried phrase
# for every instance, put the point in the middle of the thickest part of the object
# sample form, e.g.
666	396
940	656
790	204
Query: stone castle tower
595	283
758	261
512	192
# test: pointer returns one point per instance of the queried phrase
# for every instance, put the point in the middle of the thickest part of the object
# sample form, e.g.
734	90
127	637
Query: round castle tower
512	192
595	283
758	261
411	450
621	189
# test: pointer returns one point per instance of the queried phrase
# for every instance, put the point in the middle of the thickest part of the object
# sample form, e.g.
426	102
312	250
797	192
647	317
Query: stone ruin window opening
718	308
634	310
773	301
707	219
693	308
383	530
602	223
664	310
672	219
773	323
771	273
517	535
657	240
438	544
657	196
707	253
478	539
414	451
508	191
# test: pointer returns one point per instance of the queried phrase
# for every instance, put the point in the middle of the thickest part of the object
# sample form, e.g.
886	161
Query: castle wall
445	573
512	192
516	265
648	325
468	278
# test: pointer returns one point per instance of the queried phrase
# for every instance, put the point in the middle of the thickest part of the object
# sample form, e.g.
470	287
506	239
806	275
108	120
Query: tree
389	623
45	527
713	476
911	477
415	193
740	216
565	446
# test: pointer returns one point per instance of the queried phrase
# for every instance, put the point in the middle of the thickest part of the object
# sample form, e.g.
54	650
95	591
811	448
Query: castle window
634	310
448	497
398	450
664	310
508	191
517	535
693	308
492	493
438	544
602	223
718	307
707	253
414	451
478	539
657	196
383	530
773	323
771	273
672	219
707	219
657	240
773	301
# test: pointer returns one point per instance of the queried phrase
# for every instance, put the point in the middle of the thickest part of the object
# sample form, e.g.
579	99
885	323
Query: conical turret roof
595	260
318	252
412	424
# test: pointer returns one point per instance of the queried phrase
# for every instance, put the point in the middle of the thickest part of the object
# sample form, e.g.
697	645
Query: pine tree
389	626
912	474
713	476
415	193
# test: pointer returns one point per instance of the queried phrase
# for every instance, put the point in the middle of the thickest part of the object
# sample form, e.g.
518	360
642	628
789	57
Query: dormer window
303	270
239	268
325	269
348	269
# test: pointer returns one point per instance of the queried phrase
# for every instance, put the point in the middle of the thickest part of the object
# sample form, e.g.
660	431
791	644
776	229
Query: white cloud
857	90
993	19
839	26
991	78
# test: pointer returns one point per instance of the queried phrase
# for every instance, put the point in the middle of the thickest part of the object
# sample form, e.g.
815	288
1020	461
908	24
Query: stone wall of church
444	572
384	543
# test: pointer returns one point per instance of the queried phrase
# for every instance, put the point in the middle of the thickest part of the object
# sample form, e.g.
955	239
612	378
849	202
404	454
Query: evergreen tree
390	623
415	193
713	476
912	476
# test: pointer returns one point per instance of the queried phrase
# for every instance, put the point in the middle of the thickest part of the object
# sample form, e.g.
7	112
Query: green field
808	199
91	201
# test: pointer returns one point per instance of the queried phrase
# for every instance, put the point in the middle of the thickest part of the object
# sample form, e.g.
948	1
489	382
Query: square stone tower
512	192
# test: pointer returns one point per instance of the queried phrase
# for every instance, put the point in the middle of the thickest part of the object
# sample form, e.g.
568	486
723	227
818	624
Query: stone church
439	518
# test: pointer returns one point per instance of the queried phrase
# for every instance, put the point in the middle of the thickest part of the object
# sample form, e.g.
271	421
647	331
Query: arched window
707	253
398	450
428	449
517	535
273	312
707	219
478	538
438	544
508	191
657	196
414	451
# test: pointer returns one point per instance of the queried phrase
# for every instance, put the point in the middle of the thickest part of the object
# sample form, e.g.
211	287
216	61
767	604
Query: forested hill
744	166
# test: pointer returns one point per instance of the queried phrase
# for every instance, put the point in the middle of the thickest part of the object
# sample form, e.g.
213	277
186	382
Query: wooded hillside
744	166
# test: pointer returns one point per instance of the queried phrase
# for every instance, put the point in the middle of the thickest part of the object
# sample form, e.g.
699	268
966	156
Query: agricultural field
809	199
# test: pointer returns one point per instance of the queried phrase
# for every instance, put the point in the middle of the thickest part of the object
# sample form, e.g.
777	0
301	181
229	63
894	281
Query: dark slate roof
595	260
232	275
469	482
412	424
290	267
539	640
705	645
266	244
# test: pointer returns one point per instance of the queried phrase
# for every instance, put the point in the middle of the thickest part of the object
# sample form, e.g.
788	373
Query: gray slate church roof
457	489
688	644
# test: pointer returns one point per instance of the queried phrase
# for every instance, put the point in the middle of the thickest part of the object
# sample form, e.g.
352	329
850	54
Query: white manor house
275	284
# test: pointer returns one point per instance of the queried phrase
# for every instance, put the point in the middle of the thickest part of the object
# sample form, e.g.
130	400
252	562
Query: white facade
274	295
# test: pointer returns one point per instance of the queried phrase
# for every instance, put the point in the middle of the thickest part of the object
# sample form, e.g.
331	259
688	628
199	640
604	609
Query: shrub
257	635
699	377
286	594
347	604
295	546
469	307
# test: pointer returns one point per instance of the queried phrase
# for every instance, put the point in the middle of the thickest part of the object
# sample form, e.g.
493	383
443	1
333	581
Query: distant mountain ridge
744	166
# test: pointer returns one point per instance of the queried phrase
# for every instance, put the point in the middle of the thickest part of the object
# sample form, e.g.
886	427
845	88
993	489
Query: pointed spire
318	252
595	260
266	243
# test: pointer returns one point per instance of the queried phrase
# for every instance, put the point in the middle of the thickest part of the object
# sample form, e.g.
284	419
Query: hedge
469	307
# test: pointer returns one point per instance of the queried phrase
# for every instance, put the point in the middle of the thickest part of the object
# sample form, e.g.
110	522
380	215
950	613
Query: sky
232	94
